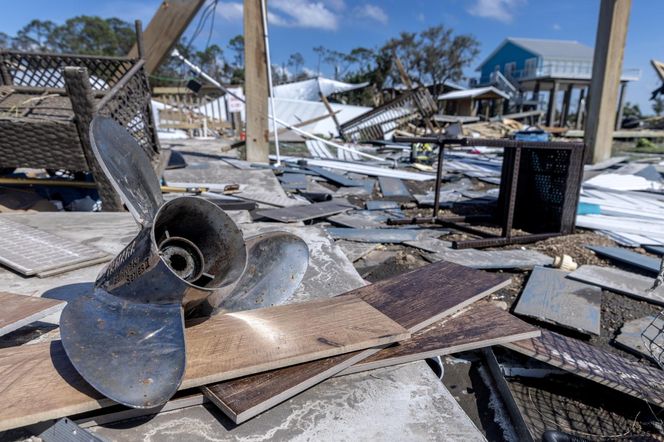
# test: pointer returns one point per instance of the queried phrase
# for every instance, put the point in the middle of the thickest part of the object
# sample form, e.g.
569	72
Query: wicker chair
48	100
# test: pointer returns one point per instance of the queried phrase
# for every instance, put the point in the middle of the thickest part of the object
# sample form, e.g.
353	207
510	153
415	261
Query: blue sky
300	25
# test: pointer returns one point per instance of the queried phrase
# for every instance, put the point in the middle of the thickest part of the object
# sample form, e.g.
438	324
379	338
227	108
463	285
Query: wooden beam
621	104
551	110
255	83
168	24
607	68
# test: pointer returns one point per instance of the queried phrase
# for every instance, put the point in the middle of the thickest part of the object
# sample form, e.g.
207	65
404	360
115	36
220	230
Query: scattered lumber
20	310
37	382
550	297
595	364
415	300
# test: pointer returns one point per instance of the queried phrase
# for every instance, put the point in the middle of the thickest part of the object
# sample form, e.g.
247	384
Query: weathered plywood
383	235
630	336
628	257
595	364
492	259
620	281
394	188
304	213
415	300
19	310
37	382
480	325
355	250
550	297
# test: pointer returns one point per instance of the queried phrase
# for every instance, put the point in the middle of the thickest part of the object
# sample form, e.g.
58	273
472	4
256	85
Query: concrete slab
397	403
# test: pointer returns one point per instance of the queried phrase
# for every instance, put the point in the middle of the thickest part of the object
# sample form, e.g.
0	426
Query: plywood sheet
493	259
394	188
620	281
630	336
304	213
392	236
628	257
595	364
415	300
480	325
37	382
550	297
19	310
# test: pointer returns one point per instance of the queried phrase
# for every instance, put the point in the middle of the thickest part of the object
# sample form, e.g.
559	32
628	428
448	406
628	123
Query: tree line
432	56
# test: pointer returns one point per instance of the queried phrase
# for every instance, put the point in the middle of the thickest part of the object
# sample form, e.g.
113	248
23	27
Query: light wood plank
415	300
37	382
19	310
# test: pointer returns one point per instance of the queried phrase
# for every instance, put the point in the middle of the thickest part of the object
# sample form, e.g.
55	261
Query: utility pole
607	69
165	29
255	83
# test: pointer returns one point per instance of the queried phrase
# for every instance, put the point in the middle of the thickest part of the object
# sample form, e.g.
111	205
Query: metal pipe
269	81
214	82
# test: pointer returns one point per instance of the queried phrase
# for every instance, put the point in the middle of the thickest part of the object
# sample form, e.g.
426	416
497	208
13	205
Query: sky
301	25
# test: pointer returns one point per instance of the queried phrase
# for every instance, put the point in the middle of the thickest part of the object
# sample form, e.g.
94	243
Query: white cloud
303	14
337	5
230	11
501	10
290	13
372	12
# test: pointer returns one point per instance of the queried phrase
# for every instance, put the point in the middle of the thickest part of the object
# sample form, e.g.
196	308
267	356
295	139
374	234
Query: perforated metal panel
34	252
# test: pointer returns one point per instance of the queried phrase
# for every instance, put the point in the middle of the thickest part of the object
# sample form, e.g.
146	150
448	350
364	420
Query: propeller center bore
183	257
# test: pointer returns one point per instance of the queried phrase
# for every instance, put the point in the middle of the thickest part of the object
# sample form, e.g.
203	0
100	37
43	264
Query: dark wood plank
620	281
628	257
480	325
595	364
304	213
20	310
550	297
414	300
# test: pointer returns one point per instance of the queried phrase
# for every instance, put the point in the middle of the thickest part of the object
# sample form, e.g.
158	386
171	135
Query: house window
531	67
509	69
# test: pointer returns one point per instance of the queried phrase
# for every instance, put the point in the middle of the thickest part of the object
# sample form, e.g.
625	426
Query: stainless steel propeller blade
127	337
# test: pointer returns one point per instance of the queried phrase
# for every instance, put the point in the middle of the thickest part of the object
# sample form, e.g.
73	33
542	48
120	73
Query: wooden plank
480	325
394	188
20	310
493	259
415	300
335	177
303	213
550	297
630	336
628	257
165	29
620	281
37	382
595	364
255	84
383	235
657	250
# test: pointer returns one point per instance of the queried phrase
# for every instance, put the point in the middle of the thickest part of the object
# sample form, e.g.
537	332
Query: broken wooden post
607	68
255	83
164	30
551	110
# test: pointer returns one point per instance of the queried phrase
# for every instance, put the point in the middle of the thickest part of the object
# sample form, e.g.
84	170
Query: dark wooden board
628	257
595	364
620	281
303	213
657	250
480	325
550	297
336	178
414	300
19	310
